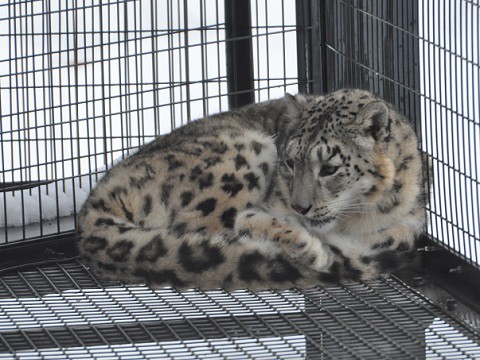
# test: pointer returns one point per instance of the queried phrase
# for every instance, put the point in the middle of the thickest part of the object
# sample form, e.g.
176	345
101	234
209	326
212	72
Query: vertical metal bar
2	143
18	82
103	90
72	30
337	63
171	64
472	134
127	79
456	103
267	40
219	66
137	33
304	68
122	92
204	55
155	64
89	125
218	44
239	53
109	63
256	41
36	116
139	83
312	53
56	120
397	58
319	47
186	52
284	48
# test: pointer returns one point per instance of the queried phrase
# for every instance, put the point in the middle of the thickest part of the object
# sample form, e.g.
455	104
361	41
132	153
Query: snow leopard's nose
300	209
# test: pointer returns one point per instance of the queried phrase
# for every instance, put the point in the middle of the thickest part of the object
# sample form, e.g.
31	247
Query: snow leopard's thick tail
115	248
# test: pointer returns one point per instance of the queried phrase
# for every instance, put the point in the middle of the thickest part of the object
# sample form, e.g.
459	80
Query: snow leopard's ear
298	100
372	119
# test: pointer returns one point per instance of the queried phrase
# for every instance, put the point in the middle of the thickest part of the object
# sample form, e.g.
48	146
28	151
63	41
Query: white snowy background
135	74
85	90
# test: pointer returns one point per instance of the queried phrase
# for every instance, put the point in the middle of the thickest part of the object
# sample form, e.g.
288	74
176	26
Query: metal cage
85	82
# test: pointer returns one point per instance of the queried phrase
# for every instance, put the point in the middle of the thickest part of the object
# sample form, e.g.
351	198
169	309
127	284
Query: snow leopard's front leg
292	238
328	263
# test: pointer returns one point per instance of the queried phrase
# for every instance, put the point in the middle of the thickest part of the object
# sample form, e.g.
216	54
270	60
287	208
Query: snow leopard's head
345	157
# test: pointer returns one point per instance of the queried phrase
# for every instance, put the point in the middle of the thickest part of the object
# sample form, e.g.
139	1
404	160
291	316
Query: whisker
359	210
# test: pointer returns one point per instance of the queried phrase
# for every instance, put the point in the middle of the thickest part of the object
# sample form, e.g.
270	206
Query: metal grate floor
61	311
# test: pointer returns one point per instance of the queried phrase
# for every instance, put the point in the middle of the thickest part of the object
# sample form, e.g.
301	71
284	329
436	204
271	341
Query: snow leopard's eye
328	170
290	164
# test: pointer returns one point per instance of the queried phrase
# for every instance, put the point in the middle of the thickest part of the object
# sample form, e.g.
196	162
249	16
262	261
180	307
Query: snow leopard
293	192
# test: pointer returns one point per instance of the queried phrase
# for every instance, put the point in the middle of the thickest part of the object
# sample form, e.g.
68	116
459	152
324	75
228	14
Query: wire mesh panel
62	311
83	83
423	56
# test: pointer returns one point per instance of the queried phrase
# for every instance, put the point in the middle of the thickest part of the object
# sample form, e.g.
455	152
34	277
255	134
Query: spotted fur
291	192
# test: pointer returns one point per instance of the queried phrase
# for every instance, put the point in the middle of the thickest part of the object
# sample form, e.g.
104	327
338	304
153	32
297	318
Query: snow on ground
46	202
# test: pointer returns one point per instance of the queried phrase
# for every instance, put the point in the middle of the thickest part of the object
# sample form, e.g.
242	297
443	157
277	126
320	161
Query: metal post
311	46
239	53
319	47
304	44
401	59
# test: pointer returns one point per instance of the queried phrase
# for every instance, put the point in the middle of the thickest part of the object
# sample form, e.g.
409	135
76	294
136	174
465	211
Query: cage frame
441	275
315	71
